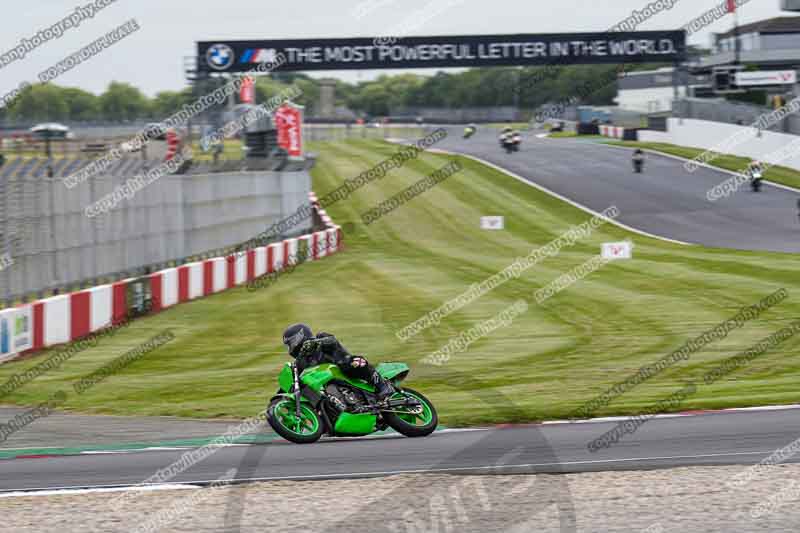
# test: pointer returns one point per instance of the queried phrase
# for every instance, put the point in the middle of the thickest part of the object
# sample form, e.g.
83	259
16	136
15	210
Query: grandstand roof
773	25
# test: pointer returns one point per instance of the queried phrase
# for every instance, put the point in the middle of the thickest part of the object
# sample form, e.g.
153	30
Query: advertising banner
492	223
247	93
617	250
16	331
443	51
766	77
289	122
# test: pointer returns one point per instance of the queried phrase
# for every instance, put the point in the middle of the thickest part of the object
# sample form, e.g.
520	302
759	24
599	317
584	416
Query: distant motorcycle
638	162
755	180
510	142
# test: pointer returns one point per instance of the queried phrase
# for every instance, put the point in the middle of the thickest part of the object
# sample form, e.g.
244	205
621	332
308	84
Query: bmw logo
220	56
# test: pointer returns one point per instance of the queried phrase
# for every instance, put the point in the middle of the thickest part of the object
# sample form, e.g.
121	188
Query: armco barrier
742	141
69	317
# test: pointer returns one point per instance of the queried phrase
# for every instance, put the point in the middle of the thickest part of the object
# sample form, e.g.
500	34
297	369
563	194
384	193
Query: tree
167	103
122	101
40	102
375	100
82	105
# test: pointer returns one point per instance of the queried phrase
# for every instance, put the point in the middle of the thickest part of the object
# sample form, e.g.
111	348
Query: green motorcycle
322	400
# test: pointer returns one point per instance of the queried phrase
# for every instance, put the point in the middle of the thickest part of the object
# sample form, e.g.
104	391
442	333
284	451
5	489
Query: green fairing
392	370
285	379
317	377
351	424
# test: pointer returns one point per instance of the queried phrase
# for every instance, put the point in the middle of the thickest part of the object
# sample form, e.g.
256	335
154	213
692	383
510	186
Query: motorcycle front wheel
305	429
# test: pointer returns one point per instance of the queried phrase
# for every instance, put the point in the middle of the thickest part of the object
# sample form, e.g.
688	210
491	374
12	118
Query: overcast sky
152	57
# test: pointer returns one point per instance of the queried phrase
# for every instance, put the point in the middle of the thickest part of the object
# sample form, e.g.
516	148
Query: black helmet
294	336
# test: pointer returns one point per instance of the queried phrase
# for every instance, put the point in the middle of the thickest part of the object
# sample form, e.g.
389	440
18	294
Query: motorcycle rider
638	159
310	350
756	173
470	130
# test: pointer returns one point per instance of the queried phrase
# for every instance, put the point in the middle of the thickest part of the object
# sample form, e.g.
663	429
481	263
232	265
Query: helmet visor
293	342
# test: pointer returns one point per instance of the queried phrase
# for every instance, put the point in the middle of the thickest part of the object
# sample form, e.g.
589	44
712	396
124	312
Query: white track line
560	197
698	412
196	483
89	490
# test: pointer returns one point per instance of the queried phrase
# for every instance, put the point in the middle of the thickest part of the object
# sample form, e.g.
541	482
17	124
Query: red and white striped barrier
616	132
69	317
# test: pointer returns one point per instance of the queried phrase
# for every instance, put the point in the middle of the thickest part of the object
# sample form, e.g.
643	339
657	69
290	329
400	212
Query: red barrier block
119	302
155	287
231	261
251	265
183	283
270	259
208	277
80	304
38	326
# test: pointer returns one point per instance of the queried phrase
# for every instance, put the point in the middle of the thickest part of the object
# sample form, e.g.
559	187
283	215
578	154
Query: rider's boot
383	386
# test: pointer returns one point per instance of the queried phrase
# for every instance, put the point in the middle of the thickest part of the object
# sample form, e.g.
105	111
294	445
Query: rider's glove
309	347
358	362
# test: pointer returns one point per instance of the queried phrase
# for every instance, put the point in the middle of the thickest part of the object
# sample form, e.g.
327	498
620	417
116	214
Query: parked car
51	130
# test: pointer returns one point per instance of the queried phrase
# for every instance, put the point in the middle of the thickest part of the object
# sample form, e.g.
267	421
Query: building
773	43
652	91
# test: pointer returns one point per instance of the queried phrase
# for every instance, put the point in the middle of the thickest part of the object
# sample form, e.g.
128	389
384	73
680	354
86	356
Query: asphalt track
739	437
665	200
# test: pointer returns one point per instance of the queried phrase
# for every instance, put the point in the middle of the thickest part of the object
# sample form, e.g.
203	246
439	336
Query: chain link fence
54	247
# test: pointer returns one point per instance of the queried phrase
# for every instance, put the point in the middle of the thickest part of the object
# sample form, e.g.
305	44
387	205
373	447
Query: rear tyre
306	429
413	424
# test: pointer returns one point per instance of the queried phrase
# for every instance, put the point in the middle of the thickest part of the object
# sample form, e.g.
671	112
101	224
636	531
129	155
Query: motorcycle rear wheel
413	424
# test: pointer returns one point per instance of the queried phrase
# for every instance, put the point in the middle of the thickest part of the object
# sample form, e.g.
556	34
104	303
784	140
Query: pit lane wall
70	317
731	139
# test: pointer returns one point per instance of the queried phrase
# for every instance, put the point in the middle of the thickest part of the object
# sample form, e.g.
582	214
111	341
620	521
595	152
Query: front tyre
281	416
411	423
